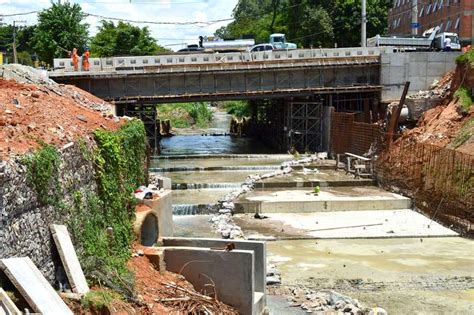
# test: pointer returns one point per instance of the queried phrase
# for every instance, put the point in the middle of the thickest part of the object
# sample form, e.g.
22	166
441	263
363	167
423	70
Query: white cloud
141	10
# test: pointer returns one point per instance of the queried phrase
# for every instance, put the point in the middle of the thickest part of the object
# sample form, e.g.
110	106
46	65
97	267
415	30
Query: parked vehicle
278	41
408	42
440	41
262	47
235	45
191	48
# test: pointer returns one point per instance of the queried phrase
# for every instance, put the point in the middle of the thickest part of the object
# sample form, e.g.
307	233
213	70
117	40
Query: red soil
31	113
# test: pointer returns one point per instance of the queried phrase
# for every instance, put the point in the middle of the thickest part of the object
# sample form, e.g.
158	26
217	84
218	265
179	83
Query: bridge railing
137	62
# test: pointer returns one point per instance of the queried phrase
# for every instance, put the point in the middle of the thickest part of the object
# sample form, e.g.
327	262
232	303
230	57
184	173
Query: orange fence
441	180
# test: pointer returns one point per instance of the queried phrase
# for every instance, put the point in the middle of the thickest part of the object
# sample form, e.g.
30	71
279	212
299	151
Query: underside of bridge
301	123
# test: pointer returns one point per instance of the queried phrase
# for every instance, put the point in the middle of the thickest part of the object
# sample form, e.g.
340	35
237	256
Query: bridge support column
147	114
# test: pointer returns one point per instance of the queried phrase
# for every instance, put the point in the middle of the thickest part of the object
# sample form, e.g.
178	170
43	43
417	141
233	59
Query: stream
404	276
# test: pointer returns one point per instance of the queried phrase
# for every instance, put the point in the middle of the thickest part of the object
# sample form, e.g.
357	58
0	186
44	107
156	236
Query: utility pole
414	17
363	30
15	56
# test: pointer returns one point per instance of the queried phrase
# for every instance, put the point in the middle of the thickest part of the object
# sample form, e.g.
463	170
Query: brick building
454	16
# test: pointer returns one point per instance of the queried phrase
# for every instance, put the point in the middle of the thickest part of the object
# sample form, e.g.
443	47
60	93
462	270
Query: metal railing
112	64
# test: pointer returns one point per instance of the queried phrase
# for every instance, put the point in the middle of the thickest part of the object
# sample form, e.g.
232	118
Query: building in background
454	16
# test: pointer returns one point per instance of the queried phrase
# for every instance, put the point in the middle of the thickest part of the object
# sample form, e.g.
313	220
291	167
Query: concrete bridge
290	90
206	77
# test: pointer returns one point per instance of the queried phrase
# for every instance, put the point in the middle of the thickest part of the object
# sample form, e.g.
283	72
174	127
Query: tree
60	29
24	43
123	39
307	22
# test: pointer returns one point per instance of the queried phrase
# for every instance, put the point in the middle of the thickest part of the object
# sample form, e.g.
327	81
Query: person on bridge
75	59
85	60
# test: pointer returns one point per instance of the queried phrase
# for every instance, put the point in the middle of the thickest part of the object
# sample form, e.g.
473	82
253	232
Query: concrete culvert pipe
146	228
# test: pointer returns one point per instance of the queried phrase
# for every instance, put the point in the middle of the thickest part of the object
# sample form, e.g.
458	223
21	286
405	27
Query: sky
170	36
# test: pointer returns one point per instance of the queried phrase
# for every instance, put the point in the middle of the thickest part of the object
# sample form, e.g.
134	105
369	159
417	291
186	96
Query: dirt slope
55	114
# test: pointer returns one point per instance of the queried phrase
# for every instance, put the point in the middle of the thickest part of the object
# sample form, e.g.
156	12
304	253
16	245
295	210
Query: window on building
441	27
440	4
435	6
428	9
421	11
448	25
456	25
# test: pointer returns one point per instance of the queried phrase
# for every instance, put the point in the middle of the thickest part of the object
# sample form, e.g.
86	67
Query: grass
465	98
97	299
238	109
464	134
184	115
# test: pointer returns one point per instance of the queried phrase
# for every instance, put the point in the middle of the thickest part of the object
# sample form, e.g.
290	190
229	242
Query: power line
18	14
158	22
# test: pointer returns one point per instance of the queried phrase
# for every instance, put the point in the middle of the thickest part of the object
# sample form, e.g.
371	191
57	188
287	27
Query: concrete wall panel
231	272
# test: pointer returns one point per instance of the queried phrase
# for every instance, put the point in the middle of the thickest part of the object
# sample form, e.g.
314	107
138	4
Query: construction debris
71	264
36	290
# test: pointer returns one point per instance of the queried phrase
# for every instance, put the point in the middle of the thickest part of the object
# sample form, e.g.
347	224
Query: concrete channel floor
344	224
402	275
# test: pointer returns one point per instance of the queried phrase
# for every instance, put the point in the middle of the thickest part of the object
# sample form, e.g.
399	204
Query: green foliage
60	29
102	222
465	98
307	22
468	56
24	43
97	299
201	113
237	108
183	115
123	39
464	134
43	173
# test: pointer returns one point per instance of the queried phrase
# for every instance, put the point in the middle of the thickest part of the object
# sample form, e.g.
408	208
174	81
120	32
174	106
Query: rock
81	118
140	252
35	95
31	126
378	311
8	112
275	279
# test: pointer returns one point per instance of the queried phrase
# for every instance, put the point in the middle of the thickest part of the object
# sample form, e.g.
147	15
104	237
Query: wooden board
7	306
31	284
71	264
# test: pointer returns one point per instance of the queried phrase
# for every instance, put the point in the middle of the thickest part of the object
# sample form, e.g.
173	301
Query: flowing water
404	276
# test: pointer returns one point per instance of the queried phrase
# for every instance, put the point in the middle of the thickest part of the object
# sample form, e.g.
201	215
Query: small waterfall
206	186
194	209
214	168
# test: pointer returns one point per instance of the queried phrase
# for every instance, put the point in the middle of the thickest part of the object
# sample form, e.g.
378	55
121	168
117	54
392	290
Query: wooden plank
71	264
31	284
7	306
396	115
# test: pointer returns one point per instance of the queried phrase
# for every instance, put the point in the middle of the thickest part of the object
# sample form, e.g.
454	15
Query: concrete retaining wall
24	222
420	68
231	273
259	248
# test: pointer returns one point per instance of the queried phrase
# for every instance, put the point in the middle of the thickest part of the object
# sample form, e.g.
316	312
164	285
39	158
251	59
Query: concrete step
314	183
304	201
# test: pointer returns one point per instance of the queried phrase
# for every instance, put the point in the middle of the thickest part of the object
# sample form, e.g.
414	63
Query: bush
468	56
465	98
238	109
183	115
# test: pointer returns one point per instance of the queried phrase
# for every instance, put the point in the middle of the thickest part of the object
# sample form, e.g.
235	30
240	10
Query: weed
465	98
238	109
464	134
466	57
43	173
97	299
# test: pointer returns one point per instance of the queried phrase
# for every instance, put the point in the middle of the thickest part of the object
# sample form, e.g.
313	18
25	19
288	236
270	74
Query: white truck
430	40
278	41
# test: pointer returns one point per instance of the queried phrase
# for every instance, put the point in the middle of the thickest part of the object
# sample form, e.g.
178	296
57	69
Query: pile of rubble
328	301
223	222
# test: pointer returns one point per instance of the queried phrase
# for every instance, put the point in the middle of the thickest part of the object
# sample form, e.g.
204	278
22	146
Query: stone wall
24	222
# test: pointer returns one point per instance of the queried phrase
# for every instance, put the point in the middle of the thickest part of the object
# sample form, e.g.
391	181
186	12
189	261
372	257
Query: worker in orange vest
85	60
75	59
